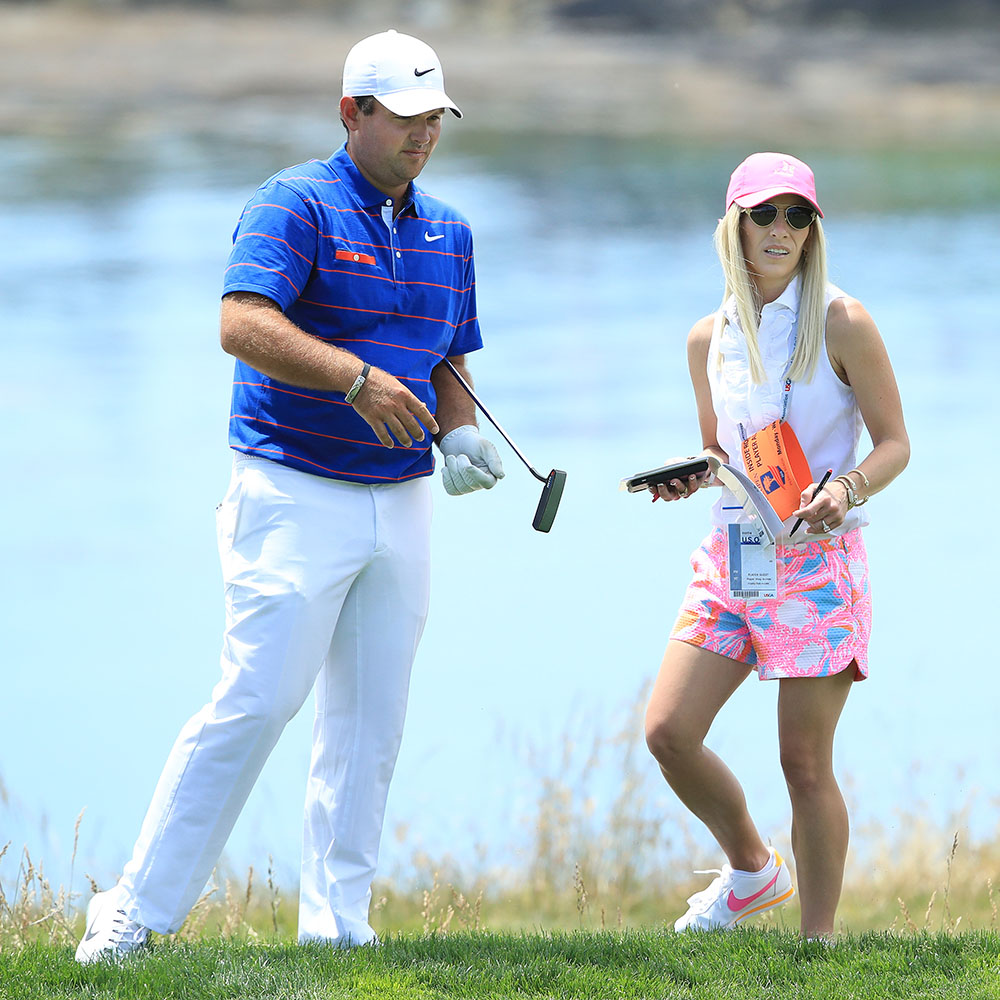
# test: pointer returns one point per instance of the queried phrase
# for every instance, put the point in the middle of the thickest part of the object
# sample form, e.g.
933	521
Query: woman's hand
827	511
680	489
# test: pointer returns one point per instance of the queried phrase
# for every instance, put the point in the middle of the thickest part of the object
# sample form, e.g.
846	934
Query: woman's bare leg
808	712
692	686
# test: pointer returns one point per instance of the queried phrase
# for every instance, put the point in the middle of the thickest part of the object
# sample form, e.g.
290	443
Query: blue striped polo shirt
320	241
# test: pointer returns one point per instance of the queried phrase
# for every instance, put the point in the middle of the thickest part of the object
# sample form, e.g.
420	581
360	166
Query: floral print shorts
818	625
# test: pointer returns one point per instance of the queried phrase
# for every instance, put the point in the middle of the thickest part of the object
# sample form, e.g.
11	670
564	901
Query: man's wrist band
358	383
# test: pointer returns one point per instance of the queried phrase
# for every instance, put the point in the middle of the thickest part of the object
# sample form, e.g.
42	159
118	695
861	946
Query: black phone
657	477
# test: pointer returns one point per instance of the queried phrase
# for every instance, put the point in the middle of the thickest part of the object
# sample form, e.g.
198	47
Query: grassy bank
623	867
579	964
921	883
586	915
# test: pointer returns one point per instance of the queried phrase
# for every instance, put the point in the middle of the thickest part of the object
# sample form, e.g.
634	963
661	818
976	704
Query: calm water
594	258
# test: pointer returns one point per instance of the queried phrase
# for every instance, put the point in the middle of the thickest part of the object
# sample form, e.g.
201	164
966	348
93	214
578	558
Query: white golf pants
326	585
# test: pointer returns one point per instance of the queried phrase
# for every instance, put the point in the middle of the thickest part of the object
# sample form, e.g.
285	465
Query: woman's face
773	252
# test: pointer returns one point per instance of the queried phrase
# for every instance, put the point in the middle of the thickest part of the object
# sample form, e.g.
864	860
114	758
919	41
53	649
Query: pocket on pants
227	514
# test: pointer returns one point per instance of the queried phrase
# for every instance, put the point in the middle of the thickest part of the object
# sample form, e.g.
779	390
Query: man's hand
470	461
391	409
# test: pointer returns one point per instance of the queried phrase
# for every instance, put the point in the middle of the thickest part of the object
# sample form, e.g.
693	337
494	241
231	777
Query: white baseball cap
401	71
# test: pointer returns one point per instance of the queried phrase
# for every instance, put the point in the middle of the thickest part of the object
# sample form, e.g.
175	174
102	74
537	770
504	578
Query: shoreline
66	70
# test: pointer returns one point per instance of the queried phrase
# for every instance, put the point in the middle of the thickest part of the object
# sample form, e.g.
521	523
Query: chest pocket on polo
365	259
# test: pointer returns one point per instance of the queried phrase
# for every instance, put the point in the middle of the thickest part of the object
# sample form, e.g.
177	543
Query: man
345	289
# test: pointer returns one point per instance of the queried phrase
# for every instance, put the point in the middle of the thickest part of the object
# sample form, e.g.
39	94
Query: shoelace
126	933
708	895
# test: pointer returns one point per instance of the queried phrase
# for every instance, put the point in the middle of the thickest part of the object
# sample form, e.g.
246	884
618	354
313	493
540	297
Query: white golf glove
470	462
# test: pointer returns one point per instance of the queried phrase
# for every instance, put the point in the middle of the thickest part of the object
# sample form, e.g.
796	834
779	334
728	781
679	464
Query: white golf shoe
110	934
734	895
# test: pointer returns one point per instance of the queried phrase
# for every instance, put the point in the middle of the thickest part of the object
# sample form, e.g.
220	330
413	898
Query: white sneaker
110	933
734	896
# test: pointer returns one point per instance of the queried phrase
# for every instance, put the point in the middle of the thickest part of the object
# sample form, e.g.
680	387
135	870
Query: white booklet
753	571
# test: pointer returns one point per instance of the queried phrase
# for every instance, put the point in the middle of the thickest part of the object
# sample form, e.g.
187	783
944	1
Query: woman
784	346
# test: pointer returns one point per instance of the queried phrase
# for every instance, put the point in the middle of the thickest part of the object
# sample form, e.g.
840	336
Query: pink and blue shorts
817	626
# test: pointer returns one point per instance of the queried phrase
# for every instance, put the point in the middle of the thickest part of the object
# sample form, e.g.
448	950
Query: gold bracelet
852	497
868	486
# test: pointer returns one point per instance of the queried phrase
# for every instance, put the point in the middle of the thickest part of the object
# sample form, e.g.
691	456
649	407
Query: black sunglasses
797	216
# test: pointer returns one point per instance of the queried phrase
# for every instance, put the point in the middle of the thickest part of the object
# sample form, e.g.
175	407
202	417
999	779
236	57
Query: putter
552	491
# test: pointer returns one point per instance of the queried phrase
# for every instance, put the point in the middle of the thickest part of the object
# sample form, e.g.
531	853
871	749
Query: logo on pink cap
766	175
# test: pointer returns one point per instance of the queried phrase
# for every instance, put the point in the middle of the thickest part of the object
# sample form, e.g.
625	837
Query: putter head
549	503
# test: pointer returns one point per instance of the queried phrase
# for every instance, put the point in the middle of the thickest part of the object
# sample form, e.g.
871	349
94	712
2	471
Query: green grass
577	964
583	915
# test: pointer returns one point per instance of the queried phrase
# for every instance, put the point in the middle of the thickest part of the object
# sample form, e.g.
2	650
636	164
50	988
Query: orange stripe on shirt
440	253
378	343
273	270
383	246
348	255
271	387
264	204
384	312
336	208
303	430
306	177
277	239
292	392
334	472
441	222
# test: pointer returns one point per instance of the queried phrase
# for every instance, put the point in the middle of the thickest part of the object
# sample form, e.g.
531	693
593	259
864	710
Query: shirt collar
364	192
789	298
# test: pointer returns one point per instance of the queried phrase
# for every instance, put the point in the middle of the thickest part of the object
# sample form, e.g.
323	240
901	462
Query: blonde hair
811	338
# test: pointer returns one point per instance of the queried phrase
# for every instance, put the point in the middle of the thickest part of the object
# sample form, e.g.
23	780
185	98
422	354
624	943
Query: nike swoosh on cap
423	72
431	239
735	903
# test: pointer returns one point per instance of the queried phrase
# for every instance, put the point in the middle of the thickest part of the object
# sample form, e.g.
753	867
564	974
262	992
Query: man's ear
350	113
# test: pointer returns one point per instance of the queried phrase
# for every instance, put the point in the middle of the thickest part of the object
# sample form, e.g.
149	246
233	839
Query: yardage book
753	571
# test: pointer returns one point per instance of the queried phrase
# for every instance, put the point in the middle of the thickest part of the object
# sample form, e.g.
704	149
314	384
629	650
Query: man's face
388	149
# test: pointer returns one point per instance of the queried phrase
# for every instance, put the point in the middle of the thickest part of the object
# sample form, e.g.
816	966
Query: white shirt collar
788	299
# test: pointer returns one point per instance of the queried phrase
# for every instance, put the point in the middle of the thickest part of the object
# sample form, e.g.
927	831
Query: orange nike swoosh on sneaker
735	903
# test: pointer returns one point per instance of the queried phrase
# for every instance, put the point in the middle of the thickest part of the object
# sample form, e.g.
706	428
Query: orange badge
774	461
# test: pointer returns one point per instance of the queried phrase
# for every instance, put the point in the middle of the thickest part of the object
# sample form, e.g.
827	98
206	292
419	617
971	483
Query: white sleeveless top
823	413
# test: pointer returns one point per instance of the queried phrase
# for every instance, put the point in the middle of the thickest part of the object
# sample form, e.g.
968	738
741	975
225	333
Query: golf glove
470	462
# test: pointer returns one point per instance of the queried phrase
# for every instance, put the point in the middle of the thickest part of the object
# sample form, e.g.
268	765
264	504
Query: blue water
594	259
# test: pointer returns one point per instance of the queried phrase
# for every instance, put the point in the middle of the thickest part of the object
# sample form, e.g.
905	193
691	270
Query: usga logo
773	479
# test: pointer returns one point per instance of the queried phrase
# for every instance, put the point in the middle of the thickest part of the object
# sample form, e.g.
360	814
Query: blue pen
822	483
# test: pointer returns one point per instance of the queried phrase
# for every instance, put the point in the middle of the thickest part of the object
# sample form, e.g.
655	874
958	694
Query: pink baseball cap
765	175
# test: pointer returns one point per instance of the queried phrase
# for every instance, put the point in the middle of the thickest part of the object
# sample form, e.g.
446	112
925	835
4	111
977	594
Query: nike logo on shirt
431	239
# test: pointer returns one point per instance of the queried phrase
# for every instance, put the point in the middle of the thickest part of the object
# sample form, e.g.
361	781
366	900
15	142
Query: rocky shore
66	69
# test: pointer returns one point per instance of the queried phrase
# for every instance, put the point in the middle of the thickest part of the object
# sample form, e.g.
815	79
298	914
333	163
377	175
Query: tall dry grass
583	863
